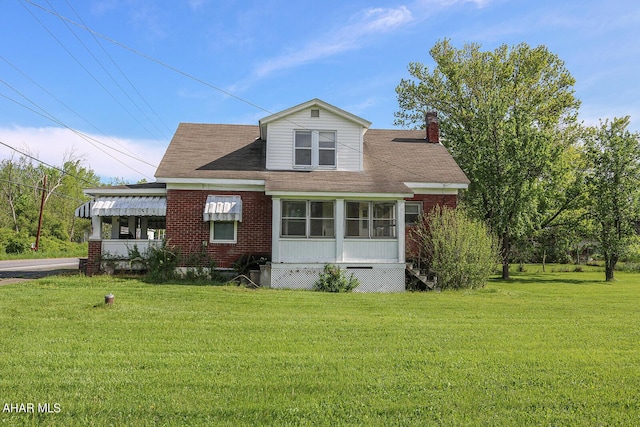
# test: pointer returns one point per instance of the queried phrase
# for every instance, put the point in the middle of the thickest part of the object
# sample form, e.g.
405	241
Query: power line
120	70
148	57
87	138
86	70
55	193
194	78
46	164
109	74
60	101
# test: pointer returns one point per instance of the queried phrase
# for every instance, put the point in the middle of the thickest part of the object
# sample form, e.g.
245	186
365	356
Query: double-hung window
370	219
315	148
308	218
327	148
303	148
224	232
412	211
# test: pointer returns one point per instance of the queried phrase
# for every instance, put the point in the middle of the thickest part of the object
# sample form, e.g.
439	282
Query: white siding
325	251
308	250
280	139
368	250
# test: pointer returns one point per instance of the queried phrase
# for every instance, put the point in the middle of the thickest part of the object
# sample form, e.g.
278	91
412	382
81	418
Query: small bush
334	279
162	262
460	251
17	244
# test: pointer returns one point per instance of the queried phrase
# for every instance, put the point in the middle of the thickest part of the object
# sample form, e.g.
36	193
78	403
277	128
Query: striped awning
84	211
124	206
223	208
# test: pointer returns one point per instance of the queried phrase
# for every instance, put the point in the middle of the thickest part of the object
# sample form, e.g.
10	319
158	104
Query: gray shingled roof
391	158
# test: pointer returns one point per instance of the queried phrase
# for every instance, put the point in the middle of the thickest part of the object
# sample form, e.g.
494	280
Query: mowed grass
541	349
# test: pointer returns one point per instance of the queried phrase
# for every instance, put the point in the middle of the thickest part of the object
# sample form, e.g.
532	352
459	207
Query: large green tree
613	155
504	116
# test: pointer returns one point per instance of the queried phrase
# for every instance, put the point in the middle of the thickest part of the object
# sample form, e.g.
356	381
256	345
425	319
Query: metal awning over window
223	208
124	206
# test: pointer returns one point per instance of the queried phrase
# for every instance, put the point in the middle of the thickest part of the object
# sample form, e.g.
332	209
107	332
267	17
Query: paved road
35	268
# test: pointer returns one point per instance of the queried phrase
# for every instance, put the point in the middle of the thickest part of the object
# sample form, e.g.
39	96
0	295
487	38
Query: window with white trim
308	218
370	219
315	148
223	232
412	211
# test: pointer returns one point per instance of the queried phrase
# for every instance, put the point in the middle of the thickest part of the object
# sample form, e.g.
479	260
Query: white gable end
318	124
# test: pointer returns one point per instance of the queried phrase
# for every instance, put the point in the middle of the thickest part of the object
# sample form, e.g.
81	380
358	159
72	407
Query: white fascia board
435	187
338	195
106	191
221	184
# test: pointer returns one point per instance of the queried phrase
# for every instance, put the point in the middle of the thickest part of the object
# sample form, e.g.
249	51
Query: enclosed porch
122	224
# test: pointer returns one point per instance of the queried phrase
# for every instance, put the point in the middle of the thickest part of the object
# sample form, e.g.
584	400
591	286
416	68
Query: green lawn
543	349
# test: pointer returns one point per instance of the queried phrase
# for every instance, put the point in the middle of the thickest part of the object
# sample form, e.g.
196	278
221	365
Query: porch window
310	219
315	148
370	219
412	211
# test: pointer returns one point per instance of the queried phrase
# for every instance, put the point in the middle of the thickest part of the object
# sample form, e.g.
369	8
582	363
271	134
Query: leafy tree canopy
505	116
613	155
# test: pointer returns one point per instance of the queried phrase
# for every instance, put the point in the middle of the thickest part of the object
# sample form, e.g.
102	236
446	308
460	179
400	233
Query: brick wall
93	258
429	201
187	229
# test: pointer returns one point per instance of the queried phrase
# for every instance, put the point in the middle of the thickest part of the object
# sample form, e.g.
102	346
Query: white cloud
366	23
196	4
51	145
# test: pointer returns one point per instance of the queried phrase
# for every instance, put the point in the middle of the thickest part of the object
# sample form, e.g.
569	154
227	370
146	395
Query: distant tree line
26	184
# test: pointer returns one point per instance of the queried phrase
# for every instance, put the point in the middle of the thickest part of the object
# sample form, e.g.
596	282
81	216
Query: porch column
144	221
340	230
400	231
96	228
132	226
275	229
115	227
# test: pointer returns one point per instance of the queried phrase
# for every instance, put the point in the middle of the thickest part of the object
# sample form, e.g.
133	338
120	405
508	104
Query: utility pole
44	191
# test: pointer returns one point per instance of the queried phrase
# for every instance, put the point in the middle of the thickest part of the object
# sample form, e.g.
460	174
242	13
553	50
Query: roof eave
312	103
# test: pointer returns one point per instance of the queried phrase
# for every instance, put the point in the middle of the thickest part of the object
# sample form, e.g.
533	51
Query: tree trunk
609	266
504	252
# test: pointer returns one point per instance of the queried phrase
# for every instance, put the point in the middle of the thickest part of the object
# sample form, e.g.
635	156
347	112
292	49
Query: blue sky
116	103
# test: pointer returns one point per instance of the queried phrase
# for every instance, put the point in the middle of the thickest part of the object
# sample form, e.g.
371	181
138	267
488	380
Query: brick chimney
433	130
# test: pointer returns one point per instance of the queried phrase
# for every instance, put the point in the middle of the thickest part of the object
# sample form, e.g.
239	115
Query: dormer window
315	148
304	148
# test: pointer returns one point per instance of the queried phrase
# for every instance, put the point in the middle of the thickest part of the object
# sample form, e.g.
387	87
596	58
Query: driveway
12	271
